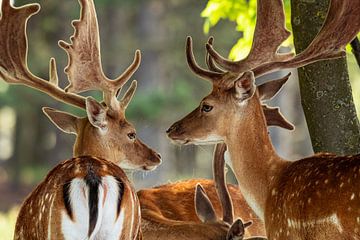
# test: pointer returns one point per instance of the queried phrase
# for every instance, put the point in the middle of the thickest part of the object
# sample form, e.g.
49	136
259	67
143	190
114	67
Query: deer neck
88	143
253	158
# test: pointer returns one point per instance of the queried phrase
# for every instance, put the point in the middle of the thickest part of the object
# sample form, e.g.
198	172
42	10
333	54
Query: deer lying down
81	198
171	207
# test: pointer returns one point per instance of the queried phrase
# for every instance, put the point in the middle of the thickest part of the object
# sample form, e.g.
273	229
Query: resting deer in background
312	198
105	132
85	197
171	208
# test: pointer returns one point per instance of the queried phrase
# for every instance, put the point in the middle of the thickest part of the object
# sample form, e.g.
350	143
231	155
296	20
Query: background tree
325	87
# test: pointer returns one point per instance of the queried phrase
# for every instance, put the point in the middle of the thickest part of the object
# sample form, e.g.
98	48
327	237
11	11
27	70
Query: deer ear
236	231
64	121
269	89
203	207
245	86
96	113
275	118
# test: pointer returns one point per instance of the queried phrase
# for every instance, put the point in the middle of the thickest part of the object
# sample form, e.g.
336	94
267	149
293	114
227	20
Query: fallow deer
81	198
85	197
105	132
312	198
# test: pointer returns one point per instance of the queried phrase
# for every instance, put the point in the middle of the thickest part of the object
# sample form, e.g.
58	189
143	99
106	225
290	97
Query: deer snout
175	129
172	128
155	158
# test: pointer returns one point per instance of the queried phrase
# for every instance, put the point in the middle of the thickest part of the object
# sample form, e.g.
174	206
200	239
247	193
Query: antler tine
220	183
13	54
84	69
270	16
209	61
341	26
205	74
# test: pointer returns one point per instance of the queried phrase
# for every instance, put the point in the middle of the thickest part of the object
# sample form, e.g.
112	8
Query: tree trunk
326	94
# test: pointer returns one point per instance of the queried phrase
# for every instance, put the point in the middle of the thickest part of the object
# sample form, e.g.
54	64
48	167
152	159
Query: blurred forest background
30	145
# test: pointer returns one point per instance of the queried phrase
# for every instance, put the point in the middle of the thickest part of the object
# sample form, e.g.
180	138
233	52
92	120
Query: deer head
232	99
235	99
105	132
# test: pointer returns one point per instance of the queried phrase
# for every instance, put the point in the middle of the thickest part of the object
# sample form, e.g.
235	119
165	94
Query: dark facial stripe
93	181
121	193
66	198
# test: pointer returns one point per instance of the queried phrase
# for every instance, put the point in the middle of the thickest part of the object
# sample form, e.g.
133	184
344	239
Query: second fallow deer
315	198
105	132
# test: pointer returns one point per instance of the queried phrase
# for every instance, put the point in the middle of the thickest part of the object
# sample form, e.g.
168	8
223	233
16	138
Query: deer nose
172	128
155	158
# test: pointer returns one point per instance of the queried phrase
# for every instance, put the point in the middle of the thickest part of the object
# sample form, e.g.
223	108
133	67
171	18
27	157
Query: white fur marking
77	229
111	228
333	219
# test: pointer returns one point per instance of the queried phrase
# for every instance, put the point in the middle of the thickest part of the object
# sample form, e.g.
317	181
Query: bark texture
326	94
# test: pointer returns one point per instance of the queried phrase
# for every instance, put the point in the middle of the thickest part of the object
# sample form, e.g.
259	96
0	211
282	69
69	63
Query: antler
340	27
84	69
13	55
203	73
220	183
270	24
209	60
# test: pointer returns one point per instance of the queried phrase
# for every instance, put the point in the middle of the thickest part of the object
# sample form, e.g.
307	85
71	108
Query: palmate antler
84	69
85	59
13	54
340	27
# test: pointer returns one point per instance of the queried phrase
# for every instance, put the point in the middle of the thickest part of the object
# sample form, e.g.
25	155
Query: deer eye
206	108
131	136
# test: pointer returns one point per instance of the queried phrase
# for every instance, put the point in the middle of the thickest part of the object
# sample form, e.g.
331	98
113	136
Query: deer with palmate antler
312	198
183	210
85	197
87	131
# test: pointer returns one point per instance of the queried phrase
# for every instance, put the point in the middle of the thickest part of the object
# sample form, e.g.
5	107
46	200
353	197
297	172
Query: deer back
81	198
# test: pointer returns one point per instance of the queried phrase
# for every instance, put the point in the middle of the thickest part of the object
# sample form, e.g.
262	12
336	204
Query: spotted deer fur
81	198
